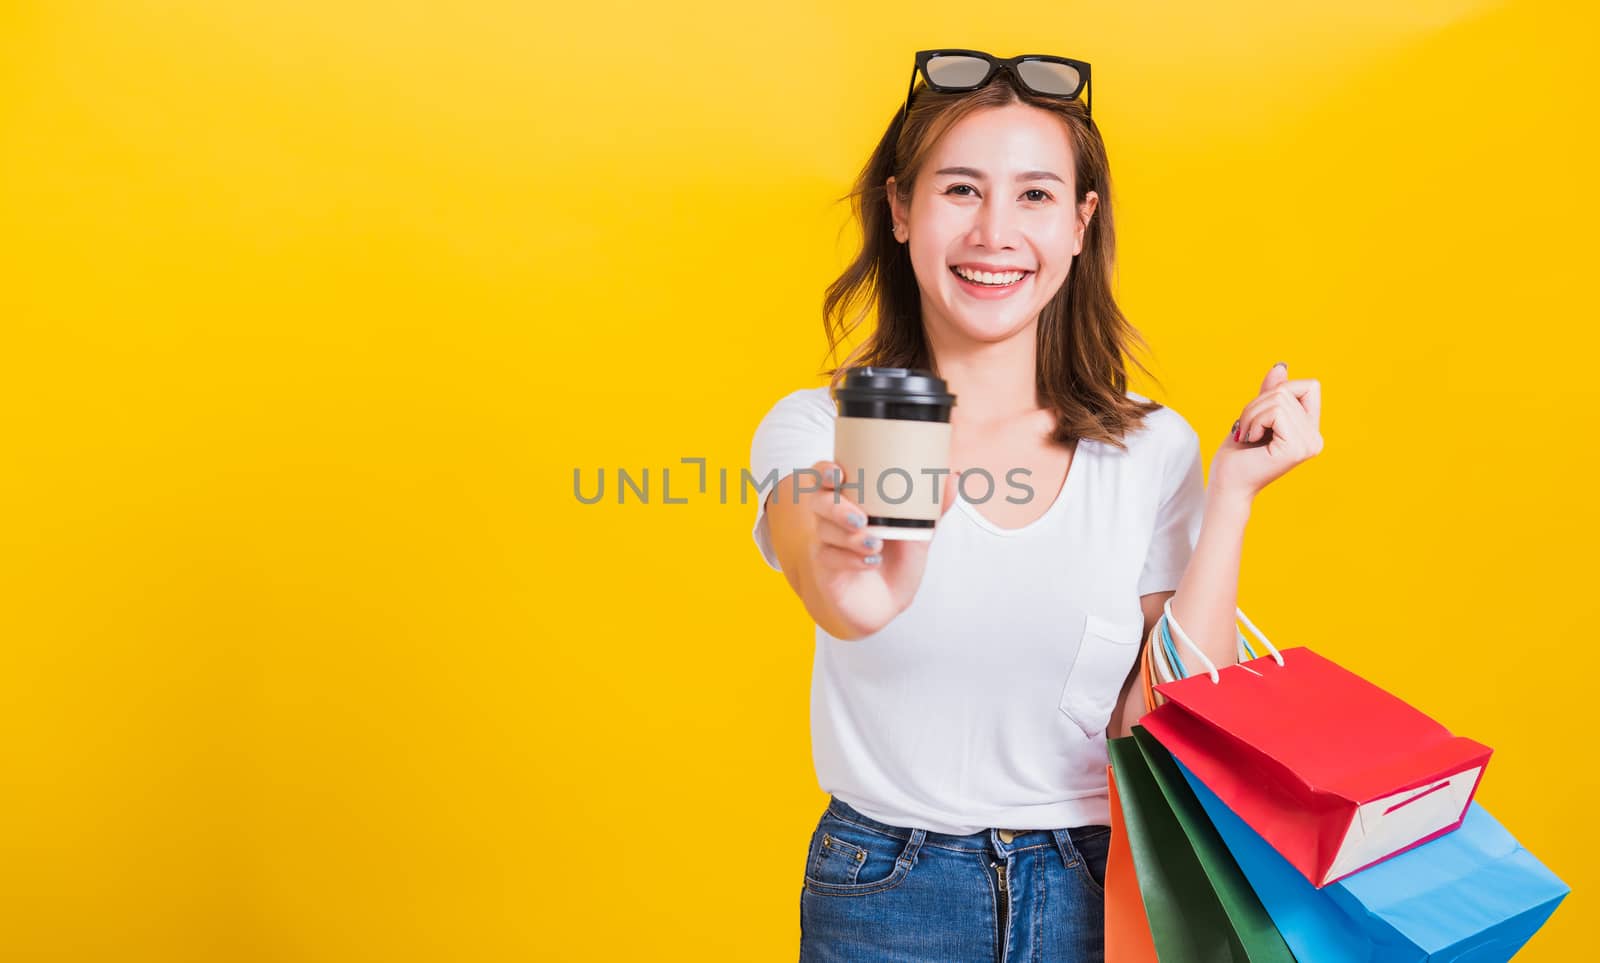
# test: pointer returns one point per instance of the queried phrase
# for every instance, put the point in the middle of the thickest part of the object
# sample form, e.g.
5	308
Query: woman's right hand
865	580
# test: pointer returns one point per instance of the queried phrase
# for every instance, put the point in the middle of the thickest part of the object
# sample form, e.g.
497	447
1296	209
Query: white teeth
984	277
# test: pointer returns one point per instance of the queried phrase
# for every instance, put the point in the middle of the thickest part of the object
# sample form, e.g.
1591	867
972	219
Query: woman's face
995	195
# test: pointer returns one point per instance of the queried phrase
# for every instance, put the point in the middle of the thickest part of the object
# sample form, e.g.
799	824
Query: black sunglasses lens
1048	77
955	70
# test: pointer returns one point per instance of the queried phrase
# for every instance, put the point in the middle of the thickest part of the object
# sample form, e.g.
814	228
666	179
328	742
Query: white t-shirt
984	704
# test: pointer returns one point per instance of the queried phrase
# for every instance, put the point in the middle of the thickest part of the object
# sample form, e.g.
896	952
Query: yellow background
311	310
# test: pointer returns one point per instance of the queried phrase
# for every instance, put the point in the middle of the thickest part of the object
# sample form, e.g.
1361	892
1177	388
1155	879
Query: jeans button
1006	836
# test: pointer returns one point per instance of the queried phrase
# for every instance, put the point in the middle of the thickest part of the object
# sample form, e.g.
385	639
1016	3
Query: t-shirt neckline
1064	496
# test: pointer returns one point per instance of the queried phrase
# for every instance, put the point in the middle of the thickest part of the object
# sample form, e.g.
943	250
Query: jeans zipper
1005	906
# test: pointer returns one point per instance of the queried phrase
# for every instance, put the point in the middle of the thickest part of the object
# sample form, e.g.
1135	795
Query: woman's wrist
1226	505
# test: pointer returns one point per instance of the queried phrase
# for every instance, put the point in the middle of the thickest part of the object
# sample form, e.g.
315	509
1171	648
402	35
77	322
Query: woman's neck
993	381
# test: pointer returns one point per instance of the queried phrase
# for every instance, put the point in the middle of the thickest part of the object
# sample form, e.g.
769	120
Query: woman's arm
1207	594
1278	429
794	530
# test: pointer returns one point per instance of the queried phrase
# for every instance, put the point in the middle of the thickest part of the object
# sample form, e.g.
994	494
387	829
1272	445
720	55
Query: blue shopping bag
1473	894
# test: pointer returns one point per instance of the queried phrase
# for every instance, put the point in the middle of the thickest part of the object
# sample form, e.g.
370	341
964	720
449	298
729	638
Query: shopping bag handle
1276	655
1211	668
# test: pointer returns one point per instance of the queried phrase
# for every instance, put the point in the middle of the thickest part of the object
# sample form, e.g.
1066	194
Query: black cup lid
900	385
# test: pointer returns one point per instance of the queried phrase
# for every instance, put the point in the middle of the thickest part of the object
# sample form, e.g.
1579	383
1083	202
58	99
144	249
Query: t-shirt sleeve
1177	529
796	433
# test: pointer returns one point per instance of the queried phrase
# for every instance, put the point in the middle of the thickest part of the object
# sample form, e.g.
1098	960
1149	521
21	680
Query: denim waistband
982	841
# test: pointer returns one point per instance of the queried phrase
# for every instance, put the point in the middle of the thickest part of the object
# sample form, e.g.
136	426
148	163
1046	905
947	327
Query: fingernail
855	520
1284	365
873	559
1236	431
834	475
873	541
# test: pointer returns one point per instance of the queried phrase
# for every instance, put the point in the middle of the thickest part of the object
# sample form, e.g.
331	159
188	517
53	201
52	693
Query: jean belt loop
1069	852
908	855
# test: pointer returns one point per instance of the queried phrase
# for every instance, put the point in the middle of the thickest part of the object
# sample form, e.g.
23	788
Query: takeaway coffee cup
892	438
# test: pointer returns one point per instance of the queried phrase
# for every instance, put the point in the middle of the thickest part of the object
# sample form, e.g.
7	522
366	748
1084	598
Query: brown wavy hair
1082	334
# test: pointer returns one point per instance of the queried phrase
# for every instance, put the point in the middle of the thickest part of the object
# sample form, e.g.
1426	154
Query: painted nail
873	559
834	475
855	520
1284	365
873	541
1236	431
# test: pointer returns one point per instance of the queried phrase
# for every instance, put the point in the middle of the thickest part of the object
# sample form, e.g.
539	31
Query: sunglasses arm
905	109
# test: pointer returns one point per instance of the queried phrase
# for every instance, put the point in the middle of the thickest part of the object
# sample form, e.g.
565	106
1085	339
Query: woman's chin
993	328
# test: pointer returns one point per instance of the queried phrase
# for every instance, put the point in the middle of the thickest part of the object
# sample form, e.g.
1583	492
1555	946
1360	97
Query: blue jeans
875	892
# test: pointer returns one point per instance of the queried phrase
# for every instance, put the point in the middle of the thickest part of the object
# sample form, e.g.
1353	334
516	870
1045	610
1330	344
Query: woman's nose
993	226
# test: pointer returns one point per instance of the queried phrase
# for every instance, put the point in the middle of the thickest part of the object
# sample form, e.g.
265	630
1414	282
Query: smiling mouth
986	284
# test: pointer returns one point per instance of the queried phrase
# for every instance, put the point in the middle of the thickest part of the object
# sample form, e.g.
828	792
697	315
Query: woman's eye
1042	195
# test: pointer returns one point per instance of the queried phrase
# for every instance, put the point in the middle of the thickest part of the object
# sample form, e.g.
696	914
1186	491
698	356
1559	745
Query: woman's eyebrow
976	174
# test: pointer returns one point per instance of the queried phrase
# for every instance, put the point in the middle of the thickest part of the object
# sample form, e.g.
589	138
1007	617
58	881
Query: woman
964	688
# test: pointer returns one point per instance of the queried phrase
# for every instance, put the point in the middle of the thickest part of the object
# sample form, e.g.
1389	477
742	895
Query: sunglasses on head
958	70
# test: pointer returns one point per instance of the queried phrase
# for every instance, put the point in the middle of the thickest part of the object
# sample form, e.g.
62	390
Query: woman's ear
1091	200
897	214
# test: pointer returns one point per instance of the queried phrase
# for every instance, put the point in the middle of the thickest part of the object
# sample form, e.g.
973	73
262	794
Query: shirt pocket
1106	654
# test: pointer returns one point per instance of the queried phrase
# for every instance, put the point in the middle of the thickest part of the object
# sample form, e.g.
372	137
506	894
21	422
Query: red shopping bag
1333	771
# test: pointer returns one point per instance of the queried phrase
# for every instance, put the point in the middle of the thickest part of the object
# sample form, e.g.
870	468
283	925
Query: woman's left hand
1278	429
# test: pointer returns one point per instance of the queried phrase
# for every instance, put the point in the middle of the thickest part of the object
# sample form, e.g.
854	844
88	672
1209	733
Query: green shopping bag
1200	906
